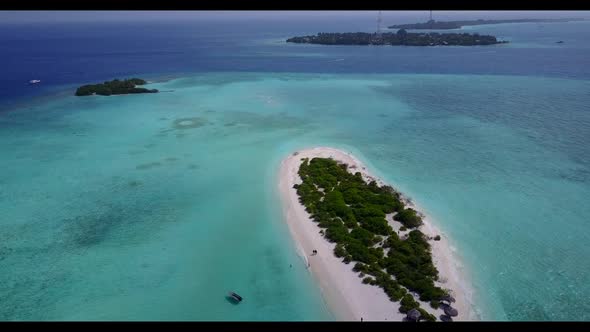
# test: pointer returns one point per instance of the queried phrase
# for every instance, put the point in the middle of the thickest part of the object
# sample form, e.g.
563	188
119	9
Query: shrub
435	304
137	81
426	316
363	235
377	239
339	250
377	225
408	303
408	218
359	252
337	233
359	267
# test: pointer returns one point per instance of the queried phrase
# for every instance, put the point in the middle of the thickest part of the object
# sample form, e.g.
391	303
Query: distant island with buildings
404	38
447	25
401	37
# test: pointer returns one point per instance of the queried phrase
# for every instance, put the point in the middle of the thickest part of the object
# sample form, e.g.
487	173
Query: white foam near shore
345	294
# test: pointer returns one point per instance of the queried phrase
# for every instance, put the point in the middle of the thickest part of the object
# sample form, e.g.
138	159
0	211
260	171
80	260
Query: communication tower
379	24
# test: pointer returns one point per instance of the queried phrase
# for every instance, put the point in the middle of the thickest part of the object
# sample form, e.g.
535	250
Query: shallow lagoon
153	207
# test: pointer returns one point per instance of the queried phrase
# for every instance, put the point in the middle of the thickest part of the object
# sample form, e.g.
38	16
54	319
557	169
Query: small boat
235	296
34	81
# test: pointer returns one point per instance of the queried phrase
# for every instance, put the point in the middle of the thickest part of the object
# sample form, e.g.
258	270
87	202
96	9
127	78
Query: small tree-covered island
353	214
401	37
114	87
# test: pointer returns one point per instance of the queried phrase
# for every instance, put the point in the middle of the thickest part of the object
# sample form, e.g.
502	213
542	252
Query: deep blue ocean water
110	212
74	53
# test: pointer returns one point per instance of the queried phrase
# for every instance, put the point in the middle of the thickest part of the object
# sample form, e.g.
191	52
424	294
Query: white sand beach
345	294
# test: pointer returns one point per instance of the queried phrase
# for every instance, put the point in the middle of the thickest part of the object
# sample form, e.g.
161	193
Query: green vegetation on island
447	25
353	214
114	87
401	37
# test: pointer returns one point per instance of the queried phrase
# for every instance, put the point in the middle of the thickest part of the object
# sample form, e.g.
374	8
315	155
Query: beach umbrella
414	315
450	311
448	298
445	318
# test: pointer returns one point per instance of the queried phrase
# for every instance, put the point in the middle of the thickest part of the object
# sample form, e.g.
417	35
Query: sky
388	16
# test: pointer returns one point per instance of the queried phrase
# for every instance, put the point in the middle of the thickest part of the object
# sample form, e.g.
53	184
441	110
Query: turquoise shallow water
154	206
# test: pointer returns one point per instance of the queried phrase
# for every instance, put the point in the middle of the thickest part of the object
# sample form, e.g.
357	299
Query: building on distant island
447	25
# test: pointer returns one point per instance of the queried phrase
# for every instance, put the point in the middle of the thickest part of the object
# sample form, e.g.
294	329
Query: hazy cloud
389	16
